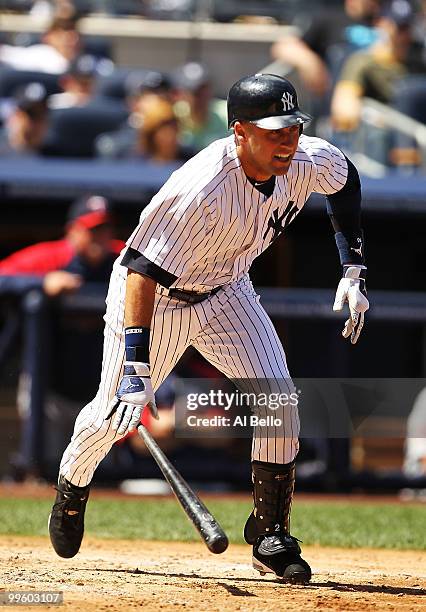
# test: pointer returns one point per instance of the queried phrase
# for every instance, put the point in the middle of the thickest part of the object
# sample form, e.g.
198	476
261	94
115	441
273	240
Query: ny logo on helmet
287	101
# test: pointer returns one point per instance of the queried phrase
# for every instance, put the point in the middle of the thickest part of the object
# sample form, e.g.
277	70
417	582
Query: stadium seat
73	131
116	84
11	79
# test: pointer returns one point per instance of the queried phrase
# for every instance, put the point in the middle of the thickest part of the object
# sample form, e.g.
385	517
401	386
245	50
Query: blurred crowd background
99	101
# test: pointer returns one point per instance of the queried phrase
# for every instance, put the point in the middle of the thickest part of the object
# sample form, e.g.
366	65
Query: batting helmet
267	100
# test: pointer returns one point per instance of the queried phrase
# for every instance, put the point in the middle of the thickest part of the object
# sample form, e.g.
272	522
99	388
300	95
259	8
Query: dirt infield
123	575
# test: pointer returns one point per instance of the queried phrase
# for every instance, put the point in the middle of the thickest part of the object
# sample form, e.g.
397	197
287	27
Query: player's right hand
134	393
352	289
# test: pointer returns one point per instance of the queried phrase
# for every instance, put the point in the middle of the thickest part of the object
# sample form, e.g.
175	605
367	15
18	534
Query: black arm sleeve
344	209
134	260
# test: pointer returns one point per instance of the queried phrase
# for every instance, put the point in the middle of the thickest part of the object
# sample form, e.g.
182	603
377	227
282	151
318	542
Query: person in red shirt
86	253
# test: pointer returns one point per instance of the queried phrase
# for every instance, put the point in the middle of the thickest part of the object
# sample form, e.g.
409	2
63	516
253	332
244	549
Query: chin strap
273	487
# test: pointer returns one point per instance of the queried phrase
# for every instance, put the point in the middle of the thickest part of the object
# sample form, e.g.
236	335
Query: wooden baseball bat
207	526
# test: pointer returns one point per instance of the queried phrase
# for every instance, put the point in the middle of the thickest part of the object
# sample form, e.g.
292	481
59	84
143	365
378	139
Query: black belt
192	297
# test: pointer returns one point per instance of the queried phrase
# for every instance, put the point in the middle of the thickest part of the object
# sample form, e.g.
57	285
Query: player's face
266	152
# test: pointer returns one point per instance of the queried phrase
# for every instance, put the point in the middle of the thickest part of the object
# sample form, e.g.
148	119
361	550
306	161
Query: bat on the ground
207	526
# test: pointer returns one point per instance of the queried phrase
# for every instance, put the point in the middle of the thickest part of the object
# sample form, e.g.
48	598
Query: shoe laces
71	502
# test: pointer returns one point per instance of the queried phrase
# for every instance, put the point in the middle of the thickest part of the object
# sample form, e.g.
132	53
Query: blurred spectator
79	82
330	35
203	118
157	137
375	73
142	90
86	253
61	43
26	124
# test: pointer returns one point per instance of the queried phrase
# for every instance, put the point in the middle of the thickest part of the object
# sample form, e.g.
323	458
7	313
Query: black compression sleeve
344	209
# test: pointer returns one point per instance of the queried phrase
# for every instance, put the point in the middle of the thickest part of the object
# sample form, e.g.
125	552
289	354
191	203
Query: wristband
137	344
350	252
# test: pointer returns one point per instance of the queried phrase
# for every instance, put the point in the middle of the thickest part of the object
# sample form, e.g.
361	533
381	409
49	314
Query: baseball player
183	280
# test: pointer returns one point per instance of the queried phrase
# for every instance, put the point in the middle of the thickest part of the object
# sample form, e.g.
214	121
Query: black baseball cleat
66	521
279	554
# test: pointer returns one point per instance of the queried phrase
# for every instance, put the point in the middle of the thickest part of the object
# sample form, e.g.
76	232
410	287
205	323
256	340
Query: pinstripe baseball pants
231	330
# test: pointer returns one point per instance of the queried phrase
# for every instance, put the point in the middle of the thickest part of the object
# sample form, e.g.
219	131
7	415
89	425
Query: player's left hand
134	393
352	289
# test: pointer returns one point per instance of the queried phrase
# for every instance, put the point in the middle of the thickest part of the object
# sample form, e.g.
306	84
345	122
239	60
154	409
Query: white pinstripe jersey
207	223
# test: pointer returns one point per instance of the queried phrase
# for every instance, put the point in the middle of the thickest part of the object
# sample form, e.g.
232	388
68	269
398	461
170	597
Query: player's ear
240	132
